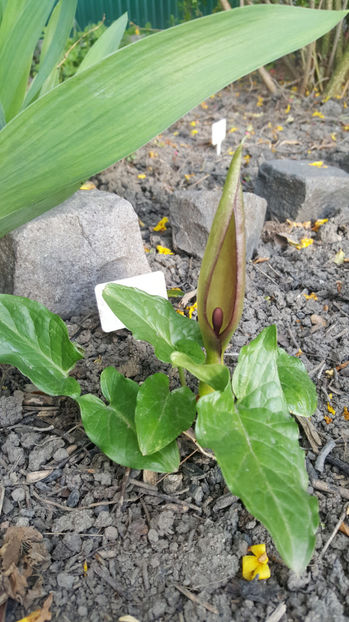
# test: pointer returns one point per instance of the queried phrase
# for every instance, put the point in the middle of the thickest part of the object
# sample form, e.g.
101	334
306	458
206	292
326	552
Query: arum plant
245	420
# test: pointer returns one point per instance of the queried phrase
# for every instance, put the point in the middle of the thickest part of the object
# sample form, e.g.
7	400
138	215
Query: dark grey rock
111	533
104	519
331	108
73	498
73	542
59	257
192	213
297	190
41	455
79	521
11	409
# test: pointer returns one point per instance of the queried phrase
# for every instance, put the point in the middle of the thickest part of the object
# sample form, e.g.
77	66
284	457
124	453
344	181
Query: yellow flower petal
141	176
191	309
318	164
88	185
330	409
263	572
318	223
319	114
304	243
256	564
311	296
193	132
257	549
193	123
249	565
161	226
162	250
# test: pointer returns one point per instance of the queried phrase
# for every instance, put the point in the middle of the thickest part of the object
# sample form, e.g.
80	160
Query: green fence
158	13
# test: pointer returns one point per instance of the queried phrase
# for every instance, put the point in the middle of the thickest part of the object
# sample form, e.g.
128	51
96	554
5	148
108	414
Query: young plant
245	419
58	135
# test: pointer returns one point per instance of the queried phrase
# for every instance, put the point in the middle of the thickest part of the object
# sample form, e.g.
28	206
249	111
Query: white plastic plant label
219	130
150	282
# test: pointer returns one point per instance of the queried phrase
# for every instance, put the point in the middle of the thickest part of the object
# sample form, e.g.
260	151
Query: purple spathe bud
217	320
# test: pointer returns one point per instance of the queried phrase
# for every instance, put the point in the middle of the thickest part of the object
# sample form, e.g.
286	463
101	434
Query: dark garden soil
171	549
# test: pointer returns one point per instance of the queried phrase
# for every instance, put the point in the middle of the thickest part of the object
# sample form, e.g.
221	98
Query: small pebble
18	494
73	498
73	542
172	483
153	536
22	521
60	454
111	533
65	580
104	519
82	611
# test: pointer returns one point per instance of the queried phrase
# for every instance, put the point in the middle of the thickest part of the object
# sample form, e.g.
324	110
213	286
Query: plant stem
182	378
338	76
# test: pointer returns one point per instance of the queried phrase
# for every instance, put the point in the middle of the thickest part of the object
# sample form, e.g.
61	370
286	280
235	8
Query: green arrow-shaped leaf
256	374
299	390
36	342
153	319
263	464
162	415
112	428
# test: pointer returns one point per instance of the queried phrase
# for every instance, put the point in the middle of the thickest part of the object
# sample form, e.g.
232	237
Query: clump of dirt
171	549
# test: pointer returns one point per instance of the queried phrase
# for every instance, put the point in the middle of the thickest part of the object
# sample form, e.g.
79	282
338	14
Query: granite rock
301	191
192	213
59	257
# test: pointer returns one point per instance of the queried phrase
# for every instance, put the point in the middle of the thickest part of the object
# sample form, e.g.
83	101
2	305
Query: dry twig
195	599
336	529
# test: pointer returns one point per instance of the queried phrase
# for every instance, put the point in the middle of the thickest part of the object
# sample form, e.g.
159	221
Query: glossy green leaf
56	35
299	390
262	463
256	374
215	375
107	43
36	342
153	319
20	30
108	111
112	427
161	414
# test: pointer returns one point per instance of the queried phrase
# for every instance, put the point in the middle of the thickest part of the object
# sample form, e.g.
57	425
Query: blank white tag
219	130
150	282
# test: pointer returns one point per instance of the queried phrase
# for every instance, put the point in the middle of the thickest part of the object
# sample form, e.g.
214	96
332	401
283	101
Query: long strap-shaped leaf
20	30
56	35
114	107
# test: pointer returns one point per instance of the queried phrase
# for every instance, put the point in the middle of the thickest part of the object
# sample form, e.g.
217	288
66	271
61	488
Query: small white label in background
150	282
219	130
